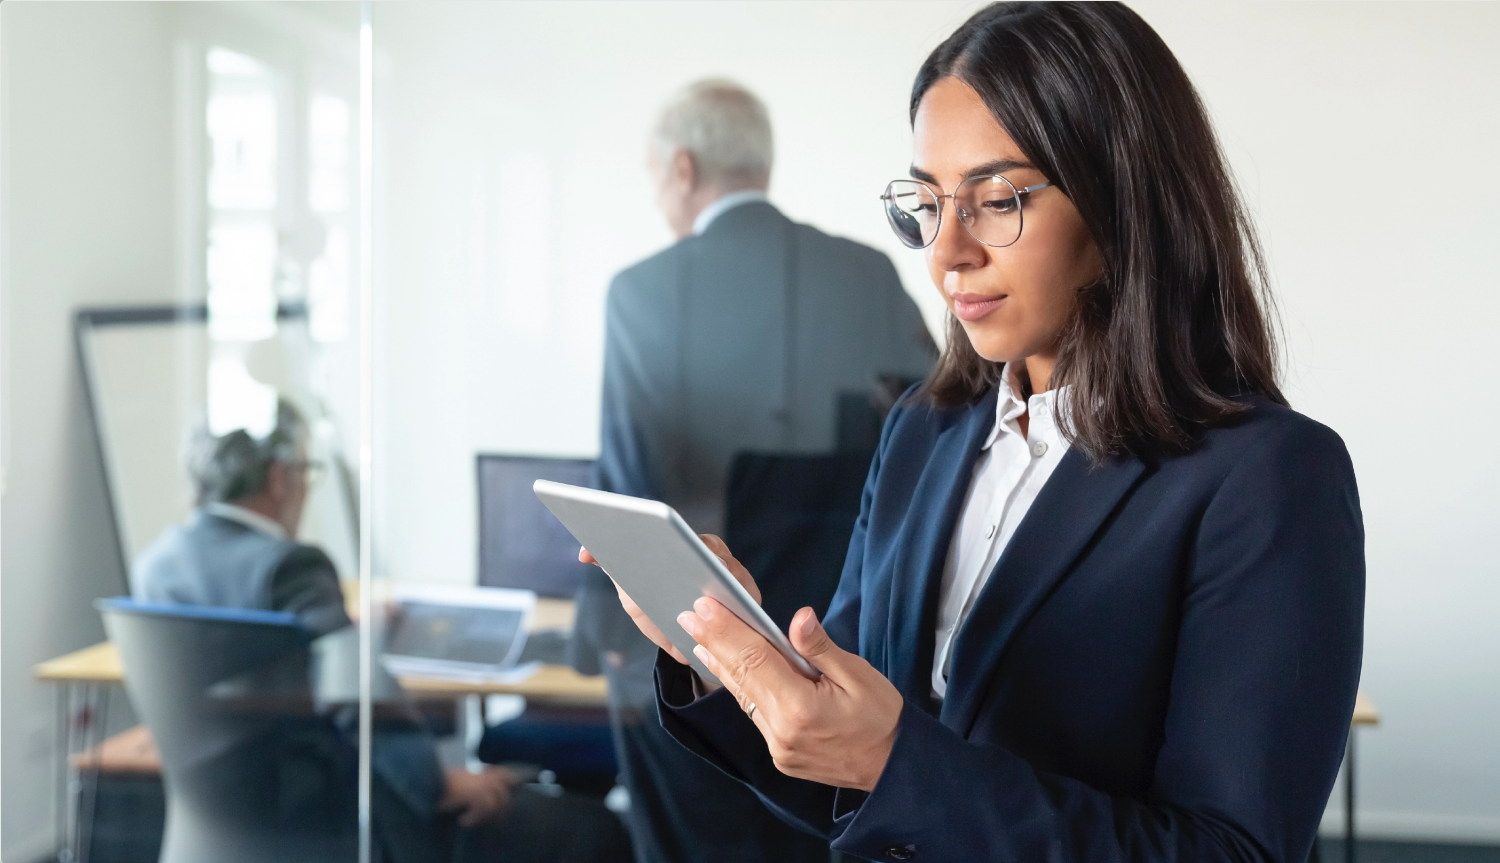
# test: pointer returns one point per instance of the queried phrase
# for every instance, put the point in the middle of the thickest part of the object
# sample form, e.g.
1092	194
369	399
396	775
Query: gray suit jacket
218	562
740	339
215	561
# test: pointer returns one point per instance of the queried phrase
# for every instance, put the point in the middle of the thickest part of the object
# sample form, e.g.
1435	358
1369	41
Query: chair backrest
788	519
247	780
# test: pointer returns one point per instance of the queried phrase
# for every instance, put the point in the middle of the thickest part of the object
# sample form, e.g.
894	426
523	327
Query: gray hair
724	126
228	467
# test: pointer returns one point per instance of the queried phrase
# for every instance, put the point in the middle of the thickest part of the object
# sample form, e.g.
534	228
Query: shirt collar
724	205
1009	406
248	518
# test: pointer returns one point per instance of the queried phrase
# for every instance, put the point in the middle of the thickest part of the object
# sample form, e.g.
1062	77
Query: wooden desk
551	684
84	679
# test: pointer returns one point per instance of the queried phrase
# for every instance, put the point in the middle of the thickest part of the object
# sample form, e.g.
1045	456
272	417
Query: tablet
648	549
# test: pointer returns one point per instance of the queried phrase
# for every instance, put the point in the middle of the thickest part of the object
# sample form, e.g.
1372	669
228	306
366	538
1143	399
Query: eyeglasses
312	471
989	208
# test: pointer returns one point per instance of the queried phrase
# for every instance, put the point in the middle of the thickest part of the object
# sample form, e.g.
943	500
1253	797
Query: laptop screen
454	633
521	544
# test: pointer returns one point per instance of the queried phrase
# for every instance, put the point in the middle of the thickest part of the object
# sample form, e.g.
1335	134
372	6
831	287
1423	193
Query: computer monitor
521	544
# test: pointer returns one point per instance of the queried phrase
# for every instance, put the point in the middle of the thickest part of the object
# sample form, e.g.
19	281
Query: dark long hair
1173	335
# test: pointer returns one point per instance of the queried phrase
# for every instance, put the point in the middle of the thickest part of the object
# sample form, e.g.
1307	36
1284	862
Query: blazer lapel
926	535
1066	514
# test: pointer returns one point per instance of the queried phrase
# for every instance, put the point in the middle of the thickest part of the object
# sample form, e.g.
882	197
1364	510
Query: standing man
739	337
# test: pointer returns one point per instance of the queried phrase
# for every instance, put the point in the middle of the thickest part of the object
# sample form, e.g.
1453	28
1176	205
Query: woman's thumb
811	640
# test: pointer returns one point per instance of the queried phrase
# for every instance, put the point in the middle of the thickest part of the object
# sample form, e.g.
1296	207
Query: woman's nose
955	248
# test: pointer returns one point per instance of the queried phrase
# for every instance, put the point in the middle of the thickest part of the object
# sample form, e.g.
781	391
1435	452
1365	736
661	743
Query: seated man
239	550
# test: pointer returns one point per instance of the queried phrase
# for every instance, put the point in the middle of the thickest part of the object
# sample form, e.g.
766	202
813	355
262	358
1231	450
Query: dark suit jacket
1162	665
739	339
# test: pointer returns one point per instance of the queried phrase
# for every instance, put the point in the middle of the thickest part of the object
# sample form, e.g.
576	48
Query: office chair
252	773
788	519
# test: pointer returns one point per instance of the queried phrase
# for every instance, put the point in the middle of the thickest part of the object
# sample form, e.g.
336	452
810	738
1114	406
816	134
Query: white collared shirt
723	205
249	518
1008	476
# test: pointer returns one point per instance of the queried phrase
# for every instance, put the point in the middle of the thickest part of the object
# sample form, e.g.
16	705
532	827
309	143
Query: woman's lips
972	307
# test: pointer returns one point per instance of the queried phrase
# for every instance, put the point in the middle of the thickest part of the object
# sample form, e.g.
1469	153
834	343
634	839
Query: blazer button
901	852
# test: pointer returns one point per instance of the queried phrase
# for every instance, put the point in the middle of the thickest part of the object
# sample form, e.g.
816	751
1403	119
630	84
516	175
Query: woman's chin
992	346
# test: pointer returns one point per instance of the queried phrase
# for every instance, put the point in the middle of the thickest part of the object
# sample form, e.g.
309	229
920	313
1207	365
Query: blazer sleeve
714	727
306	584
1263	686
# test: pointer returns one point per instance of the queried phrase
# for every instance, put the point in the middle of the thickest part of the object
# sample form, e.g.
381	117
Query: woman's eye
1002	206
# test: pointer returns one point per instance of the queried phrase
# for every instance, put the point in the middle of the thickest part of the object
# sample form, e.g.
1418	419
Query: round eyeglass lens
912	210
991	209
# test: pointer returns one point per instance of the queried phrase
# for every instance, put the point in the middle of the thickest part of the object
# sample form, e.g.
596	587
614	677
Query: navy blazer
1162	665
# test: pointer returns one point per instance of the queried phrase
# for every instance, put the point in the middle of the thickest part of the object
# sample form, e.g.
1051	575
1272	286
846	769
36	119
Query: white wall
1364	135
86	115
511	153
504	125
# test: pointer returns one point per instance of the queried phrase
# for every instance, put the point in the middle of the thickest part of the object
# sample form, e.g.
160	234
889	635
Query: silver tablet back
651	552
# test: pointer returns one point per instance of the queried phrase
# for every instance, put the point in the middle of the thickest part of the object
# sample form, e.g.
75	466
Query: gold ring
750	712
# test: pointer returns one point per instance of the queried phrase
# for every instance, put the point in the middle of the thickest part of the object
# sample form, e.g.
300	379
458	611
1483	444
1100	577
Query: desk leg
1349	801
96	702
81	722
471	729
60	746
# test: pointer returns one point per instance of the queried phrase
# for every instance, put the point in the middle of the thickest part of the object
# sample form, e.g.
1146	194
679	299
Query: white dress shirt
1008	476
718	208
249	518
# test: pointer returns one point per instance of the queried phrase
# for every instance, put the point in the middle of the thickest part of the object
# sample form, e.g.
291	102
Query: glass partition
181	221
513	186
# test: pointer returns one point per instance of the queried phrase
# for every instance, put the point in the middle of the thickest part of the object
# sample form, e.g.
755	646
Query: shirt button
989	532
1039	448
901	852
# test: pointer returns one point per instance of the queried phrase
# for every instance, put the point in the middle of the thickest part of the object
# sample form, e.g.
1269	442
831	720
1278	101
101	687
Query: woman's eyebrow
998	166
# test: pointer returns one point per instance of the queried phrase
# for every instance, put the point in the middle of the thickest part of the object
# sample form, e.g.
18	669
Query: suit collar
746	212
246	518
1066	515
724	204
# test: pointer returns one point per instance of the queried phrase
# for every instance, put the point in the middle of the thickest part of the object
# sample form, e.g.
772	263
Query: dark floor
128	823
1375	851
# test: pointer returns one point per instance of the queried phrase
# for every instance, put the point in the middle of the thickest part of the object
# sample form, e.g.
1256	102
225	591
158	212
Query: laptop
522	545
458	632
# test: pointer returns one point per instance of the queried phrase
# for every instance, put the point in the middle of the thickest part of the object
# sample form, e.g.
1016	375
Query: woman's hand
837	730
651	630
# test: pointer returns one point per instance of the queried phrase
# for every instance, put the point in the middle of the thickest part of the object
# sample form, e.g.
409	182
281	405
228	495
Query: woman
1105	595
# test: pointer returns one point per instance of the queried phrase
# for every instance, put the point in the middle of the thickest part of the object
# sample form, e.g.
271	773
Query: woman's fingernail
704	608
685	620
810	623
701	652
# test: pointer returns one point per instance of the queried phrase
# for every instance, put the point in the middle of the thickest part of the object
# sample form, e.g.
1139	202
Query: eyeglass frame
313	470
1020	207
